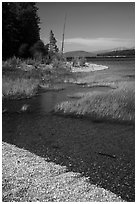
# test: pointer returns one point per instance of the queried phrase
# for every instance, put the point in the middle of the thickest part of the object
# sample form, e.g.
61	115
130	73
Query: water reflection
50	99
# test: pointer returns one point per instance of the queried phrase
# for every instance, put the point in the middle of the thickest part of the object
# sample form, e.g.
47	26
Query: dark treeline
21	32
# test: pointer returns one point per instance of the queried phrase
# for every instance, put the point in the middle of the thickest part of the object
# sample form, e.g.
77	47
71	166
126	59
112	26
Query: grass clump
115	105
19	88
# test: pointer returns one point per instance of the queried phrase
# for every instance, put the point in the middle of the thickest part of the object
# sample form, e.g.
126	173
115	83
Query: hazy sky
90	26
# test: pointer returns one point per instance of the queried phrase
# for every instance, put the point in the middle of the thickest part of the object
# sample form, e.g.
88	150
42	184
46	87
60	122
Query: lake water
103	151
118	66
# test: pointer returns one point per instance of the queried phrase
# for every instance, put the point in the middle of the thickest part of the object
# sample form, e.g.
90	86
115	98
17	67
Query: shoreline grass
19	88
49	87
22	78
116	105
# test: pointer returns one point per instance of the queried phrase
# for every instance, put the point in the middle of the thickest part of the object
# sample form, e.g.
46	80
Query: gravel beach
27	177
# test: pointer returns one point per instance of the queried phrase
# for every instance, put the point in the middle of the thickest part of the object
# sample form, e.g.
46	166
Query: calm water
118	67
45	102
102	151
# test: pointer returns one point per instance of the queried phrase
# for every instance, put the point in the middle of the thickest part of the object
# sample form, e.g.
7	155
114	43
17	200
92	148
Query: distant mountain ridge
113	52
122	53
79	53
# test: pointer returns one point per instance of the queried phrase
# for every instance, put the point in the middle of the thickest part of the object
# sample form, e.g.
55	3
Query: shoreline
17	93
89	68
53	183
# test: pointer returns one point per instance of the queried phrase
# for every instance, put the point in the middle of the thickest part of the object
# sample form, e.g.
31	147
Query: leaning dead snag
107	155
63	34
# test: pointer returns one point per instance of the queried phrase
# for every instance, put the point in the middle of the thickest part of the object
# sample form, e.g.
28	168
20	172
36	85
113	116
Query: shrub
38	50
60	57
60	65
5	65
79	61
11	63
24	50
75	61
30	61
82	61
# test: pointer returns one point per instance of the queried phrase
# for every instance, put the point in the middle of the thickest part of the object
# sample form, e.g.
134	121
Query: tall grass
11	63
14	63
22	77
16	81
19	88
115	105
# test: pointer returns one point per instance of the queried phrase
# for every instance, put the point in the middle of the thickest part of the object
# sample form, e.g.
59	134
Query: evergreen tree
28	23
20	28
52	43
10	39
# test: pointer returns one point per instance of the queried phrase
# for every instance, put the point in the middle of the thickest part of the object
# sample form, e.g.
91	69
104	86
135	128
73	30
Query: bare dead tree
63	34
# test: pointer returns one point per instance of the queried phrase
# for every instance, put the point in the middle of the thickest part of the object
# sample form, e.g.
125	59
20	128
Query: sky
90	26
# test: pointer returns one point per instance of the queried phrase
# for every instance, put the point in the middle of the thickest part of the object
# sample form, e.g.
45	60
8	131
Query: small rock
24	108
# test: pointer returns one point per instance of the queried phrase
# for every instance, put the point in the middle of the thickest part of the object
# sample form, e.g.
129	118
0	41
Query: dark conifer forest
20	30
